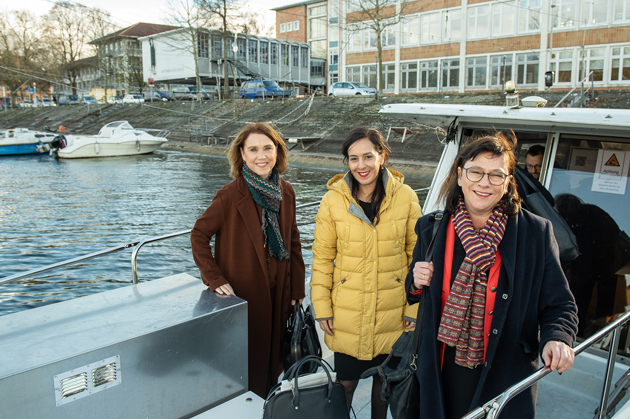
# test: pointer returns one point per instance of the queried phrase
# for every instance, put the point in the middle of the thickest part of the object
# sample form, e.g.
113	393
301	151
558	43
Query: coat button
505	296
493	289
485	364
495	331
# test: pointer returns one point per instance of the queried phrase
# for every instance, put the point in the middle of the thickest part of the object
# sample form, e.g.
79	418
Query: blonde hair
234	154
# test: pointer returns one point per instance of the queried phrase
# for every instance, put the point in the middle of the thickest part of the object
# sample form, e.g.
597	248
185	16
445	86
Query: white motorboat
114	139
22	141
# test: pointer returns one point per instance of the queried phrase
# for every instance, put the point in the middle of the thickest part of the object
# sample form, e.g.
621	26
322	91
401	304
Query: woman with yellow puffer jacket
364	240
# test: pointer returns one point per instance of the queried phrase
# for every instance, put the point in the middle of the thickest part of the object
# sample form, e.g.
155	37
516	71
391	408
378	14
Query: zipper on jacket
339	283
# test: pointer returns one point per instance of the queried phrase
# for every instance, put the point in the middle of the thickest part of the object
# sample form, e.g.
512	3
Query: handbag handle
295	370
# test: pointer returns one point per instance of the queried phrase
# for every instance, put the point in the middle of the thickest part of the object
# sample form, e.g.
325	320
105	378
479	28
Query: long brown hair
381	147
234	154
498	144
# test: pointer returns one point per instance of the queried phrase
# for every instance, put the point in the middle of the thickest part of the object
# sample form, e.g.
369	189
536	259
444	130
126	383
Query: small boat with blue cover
17	141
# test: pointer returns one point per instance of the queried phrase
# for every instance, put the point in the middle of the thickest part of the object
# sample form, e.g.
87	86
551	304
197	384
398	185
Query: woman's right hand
422	274
225	289
327	326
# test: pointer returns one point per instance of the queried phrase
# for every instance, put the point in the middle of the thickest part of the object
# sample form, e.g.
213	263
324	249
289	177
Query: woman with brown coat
257	253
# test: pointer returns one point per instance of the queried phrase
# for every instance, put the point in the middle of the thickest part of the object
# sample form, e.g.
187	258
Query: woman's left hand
293	301
409	324
422	274
558	355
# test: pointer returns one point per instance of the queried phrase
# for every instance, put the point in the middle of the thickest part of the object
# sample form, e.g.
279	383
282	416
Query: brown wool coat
241	260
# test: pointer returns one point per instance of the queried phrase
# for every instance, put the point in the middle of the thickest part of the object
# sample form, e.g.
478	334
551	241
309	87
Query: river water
54	210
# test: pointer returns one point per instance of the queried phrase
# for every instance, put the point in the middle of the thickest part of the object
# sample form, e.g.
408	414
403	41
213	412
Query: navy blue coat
532	292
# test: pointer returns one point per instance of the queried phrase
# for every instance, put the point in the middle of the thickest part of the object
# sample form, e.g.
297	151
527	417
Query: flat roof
302	3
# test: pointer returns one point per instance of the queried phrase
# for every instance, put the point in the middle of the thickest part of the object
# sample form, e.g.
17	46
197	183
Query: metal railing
582	92
492	409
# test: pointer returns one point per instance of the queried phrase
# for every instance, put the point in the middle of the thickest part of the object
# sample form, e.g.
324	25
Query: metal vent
73	385
87	380
103	375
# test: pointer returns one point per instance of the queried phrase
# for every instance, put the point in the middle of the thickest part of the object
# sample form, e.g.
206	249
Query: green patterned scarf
267	194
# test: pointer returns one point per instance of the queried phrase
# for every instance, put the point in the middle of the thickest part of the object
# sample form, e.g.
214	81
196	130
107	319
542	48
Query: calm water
53	210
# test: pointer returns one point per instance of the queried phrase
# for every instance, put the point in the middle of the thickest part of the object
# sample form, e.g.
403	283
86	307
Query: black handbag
400	384
300	339
322	398
535	202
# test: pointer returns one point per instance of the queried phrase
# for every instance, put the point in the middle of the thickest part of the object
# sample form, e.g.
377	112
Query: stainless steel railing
492	409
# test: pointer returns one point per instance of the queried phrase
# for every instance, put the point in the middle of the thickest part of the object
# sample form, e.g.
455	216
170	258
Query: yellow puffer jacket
359	269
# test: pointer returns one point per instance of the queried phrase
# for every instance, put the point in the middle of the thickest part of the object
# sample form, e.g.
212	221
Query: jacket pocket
531	352
335	289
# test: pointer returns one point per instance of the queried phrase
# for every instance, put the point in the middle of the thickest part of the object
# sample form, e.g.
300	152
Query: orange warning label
612	161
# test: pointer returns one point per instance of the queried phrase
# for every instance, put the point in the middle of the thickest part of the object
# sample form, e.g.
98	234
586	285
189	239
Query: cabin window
450	73
429	75
476	70
478	21
430	28
503	16
500	69
620	68
527	68
409	76
369	75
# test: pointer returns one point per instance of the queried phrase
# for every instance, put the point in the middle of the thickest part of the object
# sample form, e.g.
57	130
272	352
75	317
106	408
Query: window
429	75
295	55
317	11
264	52
453	20
274	54
594	12
317	28
304	57
389	76
564	13
354	74
284	54
354	40
296	25
409	76
529	15
478	21
411	31
476	69
593	61
283	27
621	10
430	28
503	15
317	69
242	49
562	65
620	68
289	26
500	70
369	75
318	49
369	39
253	51
527	68
202	45
388	36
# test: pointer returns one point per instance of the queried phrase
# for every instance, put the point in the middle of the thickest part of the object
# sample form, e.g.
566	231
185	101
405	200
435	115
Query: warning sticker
611	171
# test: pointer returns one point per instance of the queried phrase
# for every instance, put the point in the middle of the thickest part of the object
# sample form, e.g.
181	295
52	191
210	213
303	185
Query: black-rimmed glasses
475	174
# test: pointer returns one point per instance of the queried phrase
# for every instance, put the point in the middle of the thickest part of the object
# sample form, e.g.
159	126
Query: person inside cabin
257	254
592	227
361	252
534	160
494	283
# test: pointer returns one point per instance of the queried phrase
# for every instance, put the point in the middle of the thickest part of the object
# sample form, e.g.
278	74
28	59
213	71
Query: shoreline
407	167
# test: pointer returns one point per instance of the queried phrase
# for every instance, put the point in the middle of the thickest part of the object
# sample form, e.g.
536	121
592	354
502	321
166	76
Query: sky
128	12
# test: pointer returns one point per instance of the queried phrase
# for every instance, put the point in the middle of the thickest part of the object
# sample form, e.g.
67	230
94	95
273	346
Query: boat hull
18	149
104	149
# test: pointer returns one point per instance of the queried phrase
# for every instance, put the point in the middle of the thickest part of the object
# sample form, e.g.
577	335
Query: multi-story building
120	56
477	45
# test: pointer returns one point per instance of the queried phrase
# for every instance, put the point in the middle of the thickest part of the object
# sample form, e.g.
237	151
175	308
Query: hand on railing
558	356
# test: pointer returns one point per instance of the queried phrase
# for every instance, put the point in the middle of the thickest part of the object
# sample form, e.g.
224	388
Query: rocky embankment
207	127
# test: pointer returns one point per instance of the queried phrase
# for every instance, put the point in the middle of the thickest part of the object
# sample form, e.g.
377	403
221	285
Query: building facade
477	45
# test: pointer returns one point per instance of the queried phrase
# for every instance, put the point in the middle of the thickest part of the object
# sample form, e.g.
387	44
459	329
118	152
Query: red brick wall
291	15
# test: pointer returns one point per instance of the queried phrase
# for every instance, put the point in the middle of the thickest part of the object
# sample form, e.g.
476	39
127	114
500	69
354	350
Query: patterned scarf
462	322
267	194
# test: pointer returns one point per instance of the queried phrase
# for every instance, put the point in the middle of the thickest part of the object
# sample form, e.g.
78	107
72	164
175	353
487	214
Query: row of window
491	19
610	64
290	26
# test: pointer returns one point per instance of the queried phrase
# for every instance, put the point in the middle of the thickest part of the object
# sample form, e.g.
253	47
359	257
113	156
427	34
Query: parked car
156	96
347	88
182	93
5	101
63	100
114	100
26	103
88	100
262	88
46	101
133	99
204	94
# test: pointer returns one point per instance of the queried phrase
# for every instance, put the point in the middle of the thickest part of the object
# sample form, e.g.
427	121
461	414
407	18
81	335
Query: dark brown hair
381	147
498	144
234	154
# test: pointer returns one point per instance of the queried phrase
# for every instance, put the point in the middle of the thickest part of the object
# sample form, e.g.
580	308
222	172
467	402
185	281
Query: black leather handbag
400	385
311	396
300	339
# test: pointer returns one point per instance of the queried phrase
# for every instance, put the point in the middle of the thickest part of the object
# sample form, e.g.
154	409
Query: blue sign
31	91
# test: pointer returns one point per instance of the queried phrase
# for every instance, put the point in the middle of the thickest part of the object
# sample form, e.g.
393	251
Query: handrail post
612	355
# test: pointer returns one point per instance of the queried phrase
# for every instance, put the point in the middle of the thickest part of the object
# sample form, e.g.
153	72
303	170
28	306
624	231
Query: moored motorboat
22	141
114	139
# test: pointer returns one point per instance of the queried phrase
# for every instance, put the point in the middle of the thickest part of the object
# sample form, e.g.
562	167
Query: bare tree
193	20
376	16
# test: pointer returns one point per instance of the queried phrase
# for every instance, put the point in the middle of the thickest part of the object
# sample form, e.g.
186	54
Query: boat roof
443	114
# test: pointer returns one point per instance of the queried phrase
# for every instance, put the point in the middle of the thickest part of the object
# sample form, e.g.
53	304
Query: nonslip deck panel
181	348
